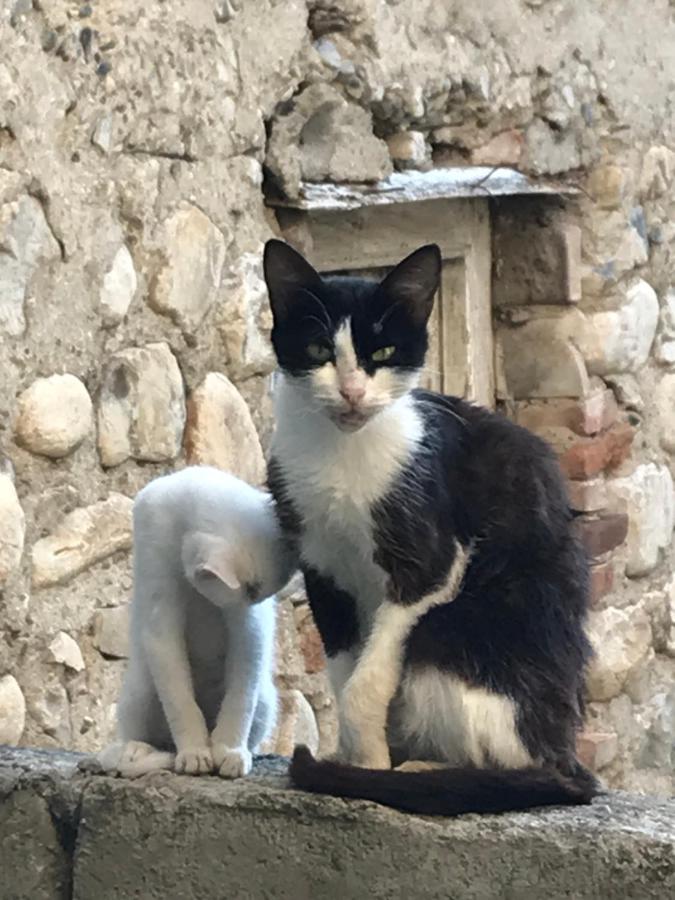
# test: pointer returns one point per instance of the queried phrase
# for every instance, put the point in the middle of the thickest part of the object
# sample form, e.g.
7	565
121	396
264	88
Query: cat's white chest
335	479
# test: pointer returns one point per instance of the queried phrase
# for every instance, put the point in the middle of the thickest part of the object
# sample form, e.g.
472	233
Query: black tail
443	792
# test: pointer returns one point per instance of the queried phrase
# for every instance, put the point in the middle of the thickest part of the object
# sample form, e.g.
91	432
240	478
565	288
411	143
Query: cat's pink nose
352	393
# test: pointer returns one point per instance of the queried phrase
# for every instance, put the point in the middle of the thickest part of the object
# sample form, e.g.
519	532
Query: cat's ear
414	282
287	275
207	556
221	568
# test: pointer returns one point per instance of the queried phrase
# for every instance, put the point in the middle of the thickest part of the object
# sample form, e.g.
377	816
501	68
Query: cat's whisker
317	300
322	325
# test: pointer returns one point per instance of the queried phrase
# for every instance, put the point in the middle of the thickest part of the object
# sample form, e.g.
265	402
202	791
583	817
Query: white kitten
198	694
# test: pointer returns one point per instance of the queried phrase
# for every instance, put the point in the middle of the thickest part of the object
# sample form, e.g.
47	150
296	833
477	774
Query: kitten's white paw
132	751
232	762
194	761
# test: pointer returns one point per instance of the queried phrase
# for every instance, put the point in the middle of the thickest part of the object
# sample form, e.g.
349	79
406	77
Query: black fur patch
443	792
334	612
517	625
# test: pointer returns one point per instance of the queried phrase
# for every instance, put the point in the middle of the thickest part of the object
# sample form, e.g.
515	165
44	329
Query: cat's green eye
383	354
319	352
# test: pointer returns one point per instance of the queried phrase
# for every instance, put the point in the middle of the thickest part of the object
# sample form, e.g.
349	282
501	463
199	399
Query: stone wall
137	143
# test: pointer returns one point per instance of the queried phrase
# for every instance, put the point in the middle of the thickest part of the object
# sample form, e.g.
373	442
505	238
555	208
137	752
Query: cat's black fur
516	627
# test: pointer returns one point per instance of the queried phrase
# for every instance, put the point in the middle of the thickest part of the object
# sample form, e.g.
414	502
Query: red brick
595	413
588	458
311	646
596	749
588	416
601	581
603	533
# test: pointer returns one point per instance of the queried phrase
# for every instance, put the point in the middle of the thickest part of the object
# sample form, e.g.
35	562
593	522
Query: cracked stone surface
179	836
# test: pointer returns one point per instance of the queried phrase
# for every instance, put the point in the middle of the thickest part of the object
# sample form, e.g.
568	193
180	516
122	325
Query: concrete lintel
410	187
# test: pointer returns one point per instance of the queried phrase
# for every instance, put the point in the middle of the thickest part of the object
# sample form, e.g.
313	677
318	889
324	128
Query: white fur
375	680
198	692
437	716
335	474
334	477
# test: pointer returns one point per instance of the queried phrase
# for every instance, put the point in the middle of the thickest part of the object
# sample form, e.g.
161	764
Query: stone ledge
66	834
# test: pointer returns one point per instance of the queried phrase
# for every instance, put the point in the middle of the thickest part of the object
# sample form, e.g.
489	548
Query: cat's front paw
362	739
232	762
194	761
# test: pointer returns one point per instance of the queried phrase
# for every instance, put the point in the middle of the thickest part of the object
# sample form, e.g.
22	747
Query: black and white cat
437	547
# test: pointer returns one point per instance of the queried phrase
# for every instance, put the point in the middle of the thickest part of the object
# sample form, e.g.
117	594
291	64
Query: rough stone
620	340
311	645
289	662
26	241
536	254
49	707
245	319
187	283
325	138
588	496
84	537
540	359
549	151
141	410
665	343
627	391
664	399
601	581
585	416
297	725
102	135
608	185
658	743
596	750
658	170
670	617
623	846
12	528
118	288
54	415
66	651
220	431
111	631
12	711
648	497
622	641
504	149
409	149
665	352
602	533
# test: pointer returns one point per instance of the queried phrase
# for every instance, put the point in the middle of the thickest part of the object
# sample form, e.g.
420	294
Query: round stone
54	416
12	711
12	528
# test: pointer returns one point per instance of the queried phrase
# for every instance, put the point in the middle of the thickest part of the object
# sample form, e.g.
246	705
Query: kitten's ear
220	568
414	282
287	274
208	556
